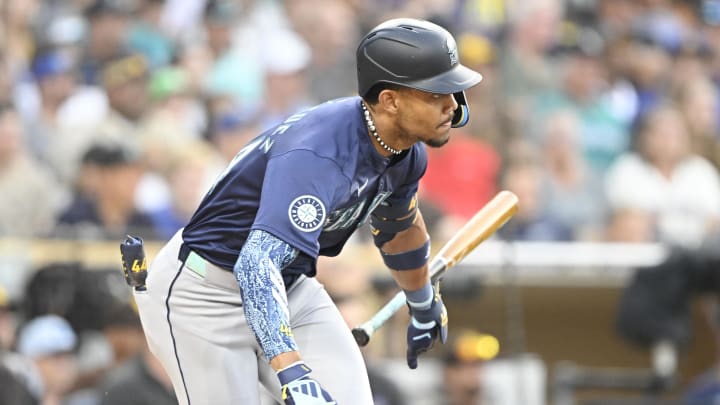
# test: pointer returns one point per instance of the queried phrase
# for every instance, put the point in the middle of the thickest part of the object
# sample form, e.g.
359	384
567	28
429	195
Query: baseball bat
484	223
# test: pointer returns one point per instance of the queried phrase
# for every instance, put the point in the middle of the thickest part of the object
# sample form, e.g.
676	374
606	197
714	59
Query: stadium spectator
489	122
125	79
18	35
174	120
48	342
663	178
104	205
532	222
697	100
235	70
523	56
571	191
108	22
285	61
147	36
195	59
138	378
461	368
31	198
330	29
61	124
649	72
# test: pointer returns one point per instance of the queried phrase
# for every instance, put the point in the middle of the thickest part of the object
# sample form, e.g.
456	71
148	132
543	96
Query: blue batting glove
427	323
299	389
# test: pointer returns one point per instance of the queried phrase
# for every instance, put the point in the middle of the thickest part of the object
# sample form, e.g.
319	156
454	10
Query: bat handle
363	332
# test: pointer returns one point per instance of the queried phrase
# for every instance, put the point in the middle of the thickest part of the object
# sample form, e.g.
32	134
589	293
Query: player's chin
439	140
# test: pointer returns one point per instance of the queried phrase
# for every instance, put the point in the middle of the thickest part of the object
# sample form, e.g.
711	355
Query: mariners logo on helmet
452	51
307	213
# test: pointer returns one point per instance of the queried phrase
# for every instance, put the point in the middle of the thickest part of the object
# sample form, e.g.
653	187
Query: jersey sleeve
300	188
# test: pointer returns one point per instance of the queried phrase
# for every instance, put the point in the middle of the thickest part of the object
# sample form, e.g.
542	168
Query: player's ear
388	100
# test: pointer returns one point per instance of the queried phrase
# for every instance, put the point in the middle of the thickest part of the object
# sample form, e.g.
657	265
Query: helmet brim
457	79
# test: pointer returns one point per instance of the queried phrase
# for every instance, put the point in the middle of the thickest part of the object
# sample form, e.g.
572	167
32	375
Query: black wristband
412	259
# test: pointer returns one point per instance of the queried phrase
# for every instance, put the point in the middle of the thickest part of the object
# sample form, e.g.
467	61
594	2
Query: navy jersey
310	181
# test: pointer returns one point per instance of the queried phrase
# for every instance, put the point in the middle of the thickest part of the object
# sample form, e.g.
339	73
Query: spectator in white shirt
681	190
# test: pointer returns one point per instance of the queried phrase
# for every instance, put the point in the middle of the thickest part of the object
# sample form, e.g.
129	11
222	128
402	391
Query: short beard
437	143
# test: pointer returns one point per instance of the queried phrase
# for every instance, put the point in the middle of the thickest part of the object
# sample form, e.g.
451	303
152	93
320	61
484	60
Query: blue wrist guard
420	299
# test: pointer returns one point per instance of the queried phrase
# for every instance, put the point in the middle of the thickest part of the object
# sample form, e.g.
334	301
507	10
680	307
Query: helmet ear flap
462	113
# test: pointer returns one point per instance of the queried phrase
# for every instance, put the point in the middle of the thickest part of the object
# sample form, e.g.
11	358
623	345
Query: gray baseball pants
193	319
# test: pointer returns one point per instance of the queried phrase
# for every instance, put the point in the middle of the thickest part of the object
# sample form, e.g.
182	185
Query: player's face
427	117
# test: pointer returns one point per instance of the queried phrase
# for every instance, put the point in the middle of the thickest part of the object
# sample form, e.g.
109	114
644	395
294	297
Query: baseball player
231	300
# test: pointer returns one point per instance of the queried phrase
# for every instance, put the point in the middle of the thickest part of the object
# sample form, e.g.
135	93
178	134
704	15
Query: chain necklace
371	125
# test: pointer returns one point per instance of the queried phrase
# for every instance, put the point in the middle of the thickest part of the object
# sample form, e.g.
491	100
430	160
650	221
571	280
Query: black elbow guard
384	229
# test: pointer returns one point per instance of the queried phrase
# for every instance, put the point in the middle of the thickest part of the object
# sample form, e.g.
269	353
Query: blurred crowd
116	116
602	115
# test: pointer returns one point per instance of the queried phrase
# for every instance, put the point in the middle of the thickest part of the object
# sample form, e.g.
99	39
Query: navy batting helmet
416	54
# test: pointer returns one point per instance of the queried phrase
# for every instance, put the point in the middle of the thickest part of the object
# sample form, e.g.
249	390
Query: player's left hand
299	389
425	327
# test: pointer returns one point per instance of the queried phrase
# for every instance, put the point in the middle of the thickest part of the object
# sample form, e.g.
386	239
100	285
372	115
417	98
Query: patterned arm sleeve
257	272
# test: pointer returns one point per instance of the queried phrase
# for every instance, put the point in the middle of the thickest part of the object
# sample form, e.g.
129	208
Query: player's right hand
426	326
299	389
